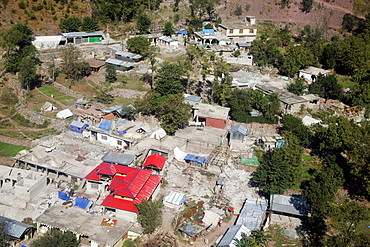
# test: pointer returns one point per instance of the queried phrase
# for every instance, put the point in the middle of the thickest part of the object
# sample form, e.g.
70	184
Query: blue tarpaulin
63	196
105	124
198	159
208	31
182	32
122	132
77	126
83	203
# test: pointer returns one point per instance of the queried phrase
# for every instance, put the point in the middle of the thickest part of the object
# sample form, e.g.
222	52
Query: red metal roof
137	184
148	188
118	203
155	160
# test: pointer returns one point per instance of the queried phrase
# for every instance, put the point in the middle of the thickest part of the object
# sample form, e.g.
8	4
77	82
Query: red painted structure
155	160
129	185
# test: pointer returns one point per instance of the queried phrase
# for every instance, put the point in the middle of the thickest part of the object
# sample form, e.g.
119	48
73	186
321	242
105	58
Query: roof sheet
113	202
83	203
128	54
244	44
78	124
119	62
135	182
166	39
64	114
105	124
14	228
118	158
239	128
315	71
198	159
211	111
252	213
117	108
208	31
175	198
148	188
289	204
234	232
82	34
155	160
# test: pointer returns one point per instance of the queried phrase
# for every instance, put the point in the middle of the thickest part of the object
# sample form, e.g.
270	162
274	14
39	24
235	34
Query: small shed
77	126
127	56
174	199
155	161
311	73
17	230
168	41
237	133
243	46
195	159
95	65
66	113
48	107
118	158
82	104
119	64
289	205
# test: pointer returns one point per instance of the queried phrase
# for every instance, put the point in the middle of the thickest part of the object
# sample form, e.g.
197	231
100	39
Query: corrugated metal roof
78	124
289	204
244	44
82	34
148	188
155	160
119	62
117	108
113	202
252	213
128	54
234	232
166	39
117	158
14	228
175	198
238	128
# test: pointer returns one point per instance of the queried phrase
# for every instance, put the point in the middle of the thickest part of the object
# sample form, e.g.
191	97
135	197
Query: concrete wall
37	187
196	147
244	60
123	214
112	141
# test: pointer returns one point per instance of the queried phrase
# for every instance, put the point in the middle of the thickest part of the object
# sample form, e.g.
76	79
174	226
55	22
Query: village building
77	38
253	213
48	42
233	233
289	205
174	199
210	37
120	64
91	229
95	65
311	73
82	104
128	186
77	126
48	107
240	32
167	41
127	56
155	162
211	115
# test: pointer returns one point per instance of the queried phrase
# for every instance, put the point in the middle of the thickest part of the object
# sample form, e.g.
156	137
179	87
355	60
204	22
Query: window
231	31
251	30
104	137
119	142
241	30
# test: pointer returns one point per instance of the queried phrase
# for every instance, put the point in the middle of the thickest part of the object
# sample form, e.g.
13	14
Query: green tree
104	98
326	87
329	56
110	73
143	24
150	215
298	86
73	65
240	104
167	29
70	24
4	237
238	10
349	22
138	44
295	126
257	238
56	238
89	24
272	106
307	5
168	79
273	175
27	73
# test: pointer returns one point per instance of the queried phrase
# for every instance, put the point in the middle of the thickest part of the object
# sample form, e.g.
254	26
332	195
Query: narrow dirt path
51	99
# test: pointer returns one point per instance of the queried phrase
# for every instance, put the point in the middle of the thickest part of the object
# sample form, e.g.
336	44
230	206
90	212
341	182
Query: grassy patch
132	82
123	101
22	121
278	237
9	150
38	134
347	84
51	91
6	124
13	134
308	158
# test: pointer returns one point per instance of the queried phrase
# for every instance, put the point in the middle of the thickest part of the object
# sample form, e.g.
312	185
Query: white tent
179	155
48	107
66	113
210	218
173	199
47	42
158	134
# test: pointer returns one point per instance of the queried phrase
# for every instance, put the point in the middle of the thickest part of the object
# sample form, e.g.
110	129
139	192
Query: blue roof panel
105	124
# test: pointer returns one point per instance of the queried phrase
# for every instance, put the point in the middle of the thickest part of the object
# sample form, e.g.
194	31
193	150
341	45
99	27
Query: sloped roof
117	158
117	108
239	128
15	228
78	124
148	188
175	198
109	116
128	54
289	204
119	62
252	213
155	160
82	34
234	232
113	202
166	39
64	114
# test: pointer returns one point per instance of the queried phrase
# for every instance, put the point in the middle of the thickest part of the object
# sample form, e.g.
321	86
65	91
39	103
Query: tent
158	134
83	203
66	113
179	155
173	199
210	218
182	32
77	126
48	107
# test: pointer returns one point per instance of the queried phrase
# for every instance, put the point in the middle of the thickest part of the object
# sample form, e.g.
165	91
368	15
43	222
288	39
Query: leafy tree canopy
89	24
110	73
168	79
27	74
298	86
150	215
167	29
143	24
56	238
326	87
296	127
138	44
70	24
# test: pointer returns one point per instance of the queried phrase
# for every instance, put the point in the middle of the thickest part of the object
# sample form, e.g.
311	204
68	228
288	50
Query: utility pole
107	36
